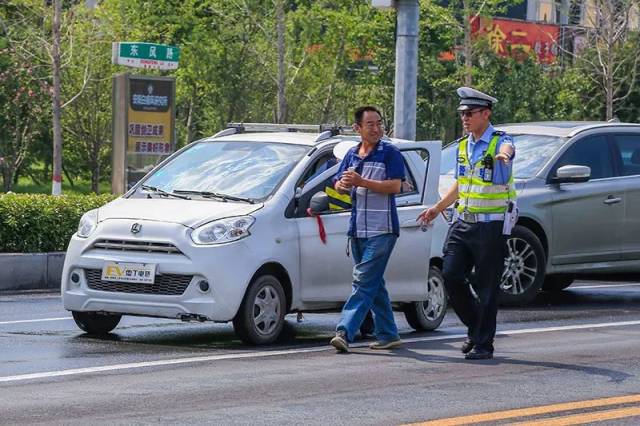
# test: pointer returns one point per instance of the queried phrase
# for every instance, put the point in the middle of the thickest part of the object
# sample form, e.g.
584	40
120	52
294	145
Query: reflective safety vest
337	201
476	191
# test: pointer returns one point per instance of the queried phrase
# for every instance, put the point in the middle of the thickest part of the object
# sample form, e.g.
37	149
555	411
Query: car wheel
427	315
260	318
557	282
367	327
524	268
98	323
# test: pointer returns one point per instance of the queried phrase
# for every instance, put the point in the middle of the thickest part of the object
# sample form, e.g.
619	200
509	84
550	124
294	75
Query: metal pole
404	117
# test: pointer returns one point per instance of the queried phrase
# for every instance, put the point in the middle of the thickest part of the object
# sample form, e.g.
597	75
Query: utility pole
406	81
56	184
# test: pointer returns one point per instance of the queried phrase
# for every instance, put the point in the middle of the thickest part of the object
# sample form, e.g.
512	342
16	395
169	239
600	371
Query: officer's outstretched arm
449	198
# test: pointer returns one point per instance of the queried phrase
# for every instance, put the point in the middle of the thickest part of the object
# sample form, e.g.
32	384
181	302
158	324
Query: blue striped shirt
373	213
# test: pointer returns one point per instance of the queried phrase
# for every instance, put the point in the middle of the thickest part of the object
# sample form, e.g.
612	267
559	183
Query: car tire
97	323
524	270
260	318
557	282
367	327
428	314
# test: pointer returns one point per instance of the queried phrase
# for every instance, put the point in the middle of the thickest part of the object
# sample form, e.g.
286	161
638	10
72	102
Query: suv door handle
612	200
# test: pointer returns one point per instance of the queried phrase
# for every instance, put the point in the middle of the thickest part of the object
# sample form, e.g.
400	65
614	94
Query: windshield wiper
163	192
209	194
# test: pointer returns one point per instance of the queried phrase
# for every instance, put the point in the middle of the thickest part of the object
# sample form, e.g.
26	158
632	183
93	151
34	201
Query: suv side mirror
319	203
572	174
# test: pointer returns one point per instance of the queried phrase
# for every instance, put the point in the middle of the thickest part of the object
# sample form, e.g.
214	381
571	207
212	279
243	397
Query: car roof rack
326	131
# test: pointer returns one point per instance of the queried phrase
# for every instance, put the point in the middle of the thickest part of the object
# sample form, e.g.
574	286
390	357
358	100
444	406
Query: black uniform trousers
483	246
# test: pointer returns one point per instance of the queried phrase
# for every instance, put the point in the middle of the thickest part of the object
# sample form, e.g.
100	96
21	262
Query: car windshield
532	152
251	170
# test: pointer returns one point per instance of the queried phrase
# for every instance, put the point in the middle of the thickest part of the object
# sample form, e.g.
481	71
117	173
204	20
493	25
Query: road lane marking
34	320
534	411
580	419
263	354
580	287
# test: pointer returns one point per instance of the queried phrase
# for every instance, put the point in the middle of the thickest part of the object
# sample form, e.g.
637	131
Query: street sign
145	55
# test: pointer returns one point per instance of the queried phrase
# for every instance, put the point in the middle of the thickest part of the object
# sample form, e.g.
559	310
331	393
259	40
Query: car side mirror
319	203
572	174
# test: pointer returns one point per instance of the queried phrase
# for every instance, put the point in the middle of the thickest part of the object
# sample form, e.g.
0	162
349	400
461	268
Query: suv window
592	151
628	147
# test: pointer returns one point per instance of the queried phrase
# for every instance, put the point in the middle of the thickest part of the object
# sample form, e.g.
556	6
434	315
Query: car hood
189	213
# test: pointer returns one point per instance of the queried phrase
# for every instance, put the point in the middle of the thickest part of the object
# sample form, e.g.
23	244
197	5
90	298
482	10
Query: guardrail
31	271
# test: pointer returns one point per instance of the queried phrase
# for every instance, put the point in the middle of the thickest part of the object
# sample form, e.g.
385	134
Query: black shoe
467	346
479	353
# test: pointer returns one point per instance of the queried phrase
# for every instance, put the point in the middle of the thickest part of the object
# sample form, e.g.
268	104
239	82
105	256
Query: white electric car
221	231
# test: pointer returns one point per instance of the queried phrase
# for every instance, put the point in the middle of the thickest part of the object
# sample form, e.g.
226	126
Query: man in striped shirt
372	172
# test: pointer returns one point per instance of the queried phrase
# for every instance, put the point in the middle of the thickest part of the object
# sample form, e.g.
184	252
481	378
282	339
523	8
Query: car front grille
137	246
165	284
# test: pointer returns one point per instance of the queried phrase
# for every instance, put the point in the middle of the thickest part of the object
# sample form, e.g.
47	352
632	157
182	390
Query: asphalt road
580	345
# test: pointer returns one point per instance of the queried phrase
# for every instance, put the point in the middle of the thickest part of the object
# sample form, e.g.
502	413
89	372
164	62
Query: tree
23	94
612	55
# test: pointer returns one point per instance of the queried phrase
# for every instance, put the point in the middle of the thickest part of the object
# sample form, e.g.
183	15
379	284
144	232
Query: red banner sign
508	37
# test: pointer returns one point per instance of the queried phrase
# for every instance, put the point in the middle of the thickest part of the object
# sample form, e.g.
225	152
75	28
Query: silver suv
579	197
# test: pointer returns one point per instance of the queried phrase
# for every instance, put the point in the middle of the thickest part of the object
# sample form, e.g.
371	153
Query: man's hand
428	215
341	188
351	178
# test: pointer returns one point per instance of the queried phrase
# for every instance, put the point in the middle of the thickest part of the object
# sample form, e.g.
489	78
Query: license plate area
126	272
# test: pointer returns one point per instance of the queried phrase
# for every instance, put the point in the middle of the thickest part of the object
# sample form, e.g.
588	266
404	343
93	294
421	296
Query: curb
31	271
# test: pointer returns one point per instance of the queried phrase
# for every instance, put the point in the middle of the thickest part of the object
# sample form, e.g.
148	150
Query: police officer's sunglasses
470	112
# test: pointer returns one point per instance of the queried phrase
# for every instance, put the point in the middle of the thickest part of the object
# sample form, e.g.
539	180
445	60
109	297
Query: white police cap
471	98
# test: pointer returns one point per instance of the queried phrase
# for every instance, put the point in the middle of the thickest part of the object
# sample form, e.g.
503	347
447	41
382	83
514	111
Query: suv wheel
427	315
260	318
524	268
97	323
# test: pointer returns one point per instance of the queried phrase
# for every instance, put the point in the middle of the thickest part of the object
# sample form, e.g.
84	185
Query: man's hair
360	112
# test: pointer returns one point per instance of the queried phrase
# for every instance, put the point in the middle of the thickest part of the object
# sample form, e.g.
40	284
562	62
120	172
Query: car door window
409	186
322	163
592	151
628	147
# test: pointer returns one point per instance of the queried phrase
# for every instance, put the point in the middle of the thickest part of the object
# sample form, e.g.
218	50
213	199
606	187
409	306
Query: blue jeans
370	256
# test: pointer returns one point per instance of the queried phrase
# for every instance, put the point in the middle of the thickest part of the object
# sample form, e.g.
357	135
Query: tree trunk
56	187
282	100
95	178
468	53
190	118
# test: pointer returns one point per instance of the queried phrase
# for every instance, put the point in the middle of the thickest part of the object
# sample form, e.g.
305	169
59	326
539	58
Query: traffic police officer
484	194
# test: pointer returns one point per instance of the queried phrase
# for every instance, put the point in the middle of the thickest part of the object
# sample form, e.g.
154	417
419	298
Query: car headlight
223	230
88	223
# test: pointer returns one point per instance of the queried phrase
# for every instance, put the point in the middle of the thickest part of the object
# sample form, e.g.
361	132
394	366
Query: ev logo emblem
135	228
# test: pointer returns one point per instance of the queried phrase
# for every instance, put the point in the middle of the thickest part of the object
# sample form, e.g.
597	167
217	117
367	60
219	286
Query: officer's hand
505	158
505	154
350	178
428	215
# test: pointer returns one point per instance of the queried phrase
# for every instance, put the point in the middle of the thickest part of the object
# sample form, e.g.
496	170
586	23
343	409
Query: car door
627	148
408	269
326	270
587	217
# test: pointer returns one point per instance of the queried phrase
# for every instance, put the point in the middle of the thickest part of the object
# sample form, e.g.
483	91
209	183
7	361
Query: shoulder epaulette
498	133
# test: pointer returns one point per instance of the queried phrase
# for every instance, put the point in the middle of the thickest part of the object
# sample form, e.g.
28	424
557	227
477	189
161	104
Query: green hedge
33	223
